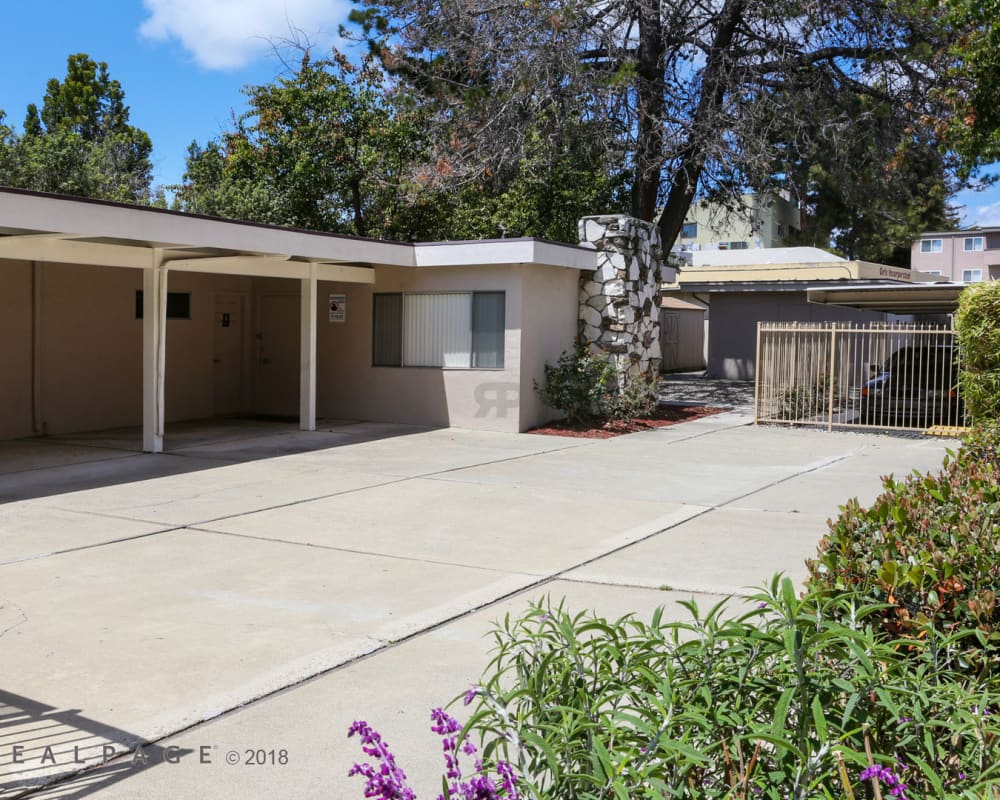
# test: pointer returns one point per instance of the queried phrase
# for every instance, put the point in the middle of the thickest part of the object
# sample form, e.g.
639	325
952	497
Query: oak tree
692	97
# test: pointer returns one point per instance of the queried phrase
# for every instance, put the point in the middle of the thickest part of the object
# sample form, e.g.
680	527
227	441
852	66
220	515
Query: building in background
966	256
741	289
766	220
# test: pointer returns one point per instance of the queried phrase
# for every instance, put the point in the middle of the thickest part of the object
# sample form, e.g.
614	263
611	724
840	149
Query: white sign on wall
338	308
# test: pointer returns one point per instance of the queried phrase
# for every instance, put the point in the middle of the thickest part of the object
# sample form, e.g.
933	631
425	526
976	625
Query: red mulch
663	416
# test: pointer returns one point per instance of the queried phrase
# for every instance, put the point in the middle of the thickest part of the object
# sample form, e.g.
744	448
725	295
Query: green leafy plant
636	398
584	384
978	326
928	548
794	698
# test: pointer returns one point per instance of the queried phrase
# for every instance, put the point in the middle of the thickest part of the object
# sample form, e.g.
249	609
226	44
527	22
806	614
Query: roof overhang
42	227
487	252
927	298
71	230
730	287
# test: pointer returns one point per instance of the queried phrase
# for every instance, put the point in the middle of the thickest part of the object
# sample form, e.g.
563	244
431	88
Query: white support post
307	353
154	351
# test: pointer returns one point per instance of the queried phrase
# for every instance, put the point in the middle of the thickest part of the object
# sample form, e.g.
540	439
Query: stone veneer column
619	301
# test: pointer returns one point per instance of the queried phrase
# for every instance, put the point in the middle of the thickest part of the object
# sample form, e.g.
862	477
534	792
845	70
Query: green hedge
978	326
928	548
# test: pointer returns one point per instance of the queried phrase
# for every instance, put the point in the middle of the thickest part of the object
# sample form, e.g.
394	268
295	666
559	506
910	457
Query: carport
115	316
38	230
919	298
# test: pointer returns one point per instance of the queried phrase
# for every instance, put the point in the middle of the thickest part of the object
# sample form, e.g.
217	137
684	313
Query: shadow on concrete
692	388
51	465
66	755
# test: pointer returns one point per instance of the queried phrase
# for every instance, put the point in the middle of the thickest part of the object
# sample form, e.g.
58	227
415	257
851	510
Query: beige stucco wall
90	345
551	311
491	399
348	386
90	348
15	349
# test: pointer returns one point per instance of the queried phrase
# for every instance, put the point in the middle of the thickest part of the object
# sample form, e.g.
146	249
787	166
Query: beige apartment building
766	220
964	256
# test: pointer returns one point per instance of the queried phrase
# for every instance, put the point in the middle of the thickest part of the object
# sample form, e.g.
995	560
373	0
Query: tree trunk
359	220
650	102
691	159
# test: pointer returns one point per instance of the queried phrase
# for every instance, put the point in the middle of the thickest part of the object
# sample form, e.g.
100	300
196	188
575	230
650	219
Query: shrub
978	325
928	548
637	398
584	385
796	698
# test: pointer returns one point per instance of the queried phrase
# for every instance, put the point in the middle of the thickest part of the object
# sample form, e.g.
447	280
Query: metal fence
899	376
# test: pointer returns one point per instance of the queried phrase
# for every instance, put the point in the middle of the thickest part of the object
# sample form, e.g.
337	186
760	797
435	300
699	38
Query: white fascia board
65	215
504	251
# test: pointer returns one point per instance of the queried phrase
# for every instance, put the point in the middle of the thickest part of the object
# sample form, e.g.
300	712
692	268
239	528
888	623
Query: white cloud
228	34
986	216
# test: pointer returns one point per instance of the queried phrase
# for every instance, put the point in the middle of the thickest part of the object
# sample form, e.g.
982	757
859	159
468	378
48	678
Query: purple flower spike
471	695
508	780
885	775
387	781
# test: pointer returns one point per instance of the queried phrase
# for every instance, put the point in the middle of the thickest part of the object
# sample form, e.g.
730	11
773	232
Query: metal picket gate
880	375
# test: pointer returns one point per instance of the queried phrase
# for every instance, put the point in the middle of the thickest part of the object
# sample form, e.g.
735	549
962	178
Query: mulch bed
663	416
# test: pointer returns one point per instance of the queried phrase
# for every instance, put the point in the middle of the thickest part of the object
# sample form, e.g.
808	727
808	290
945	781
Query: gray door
227	354
670	339
277	383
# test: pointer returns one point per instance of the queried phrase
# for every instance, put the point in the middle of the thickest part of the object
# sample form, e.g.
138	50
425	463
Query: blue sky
183	63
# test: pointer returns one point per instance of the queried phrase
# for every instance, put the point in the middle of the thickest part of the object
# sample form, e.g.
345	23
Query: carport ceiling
927	298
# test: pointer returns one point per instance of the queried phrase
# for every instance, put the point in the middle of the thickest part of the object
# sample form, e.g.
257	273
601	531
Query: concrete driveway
256	591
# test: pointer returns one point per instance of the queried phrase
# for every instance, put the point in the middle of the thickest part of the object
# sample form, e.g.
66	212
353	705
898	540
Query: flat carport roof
71	230
926	298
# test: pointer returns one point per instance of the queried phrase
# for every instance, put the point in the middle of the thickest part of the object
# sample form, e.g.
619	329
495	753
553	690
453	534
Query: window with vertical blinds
460	330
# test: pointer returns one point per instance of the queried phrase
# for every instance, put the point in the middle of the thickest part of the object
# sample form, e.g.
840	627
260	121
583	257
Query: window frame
970	271
473	338
933	245
974	240
171	296
689	226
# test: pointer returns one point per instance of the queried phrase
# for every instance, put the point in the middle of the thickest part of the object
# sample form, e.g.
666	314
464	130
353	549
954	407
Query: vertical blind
457	330
487	329
437	330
